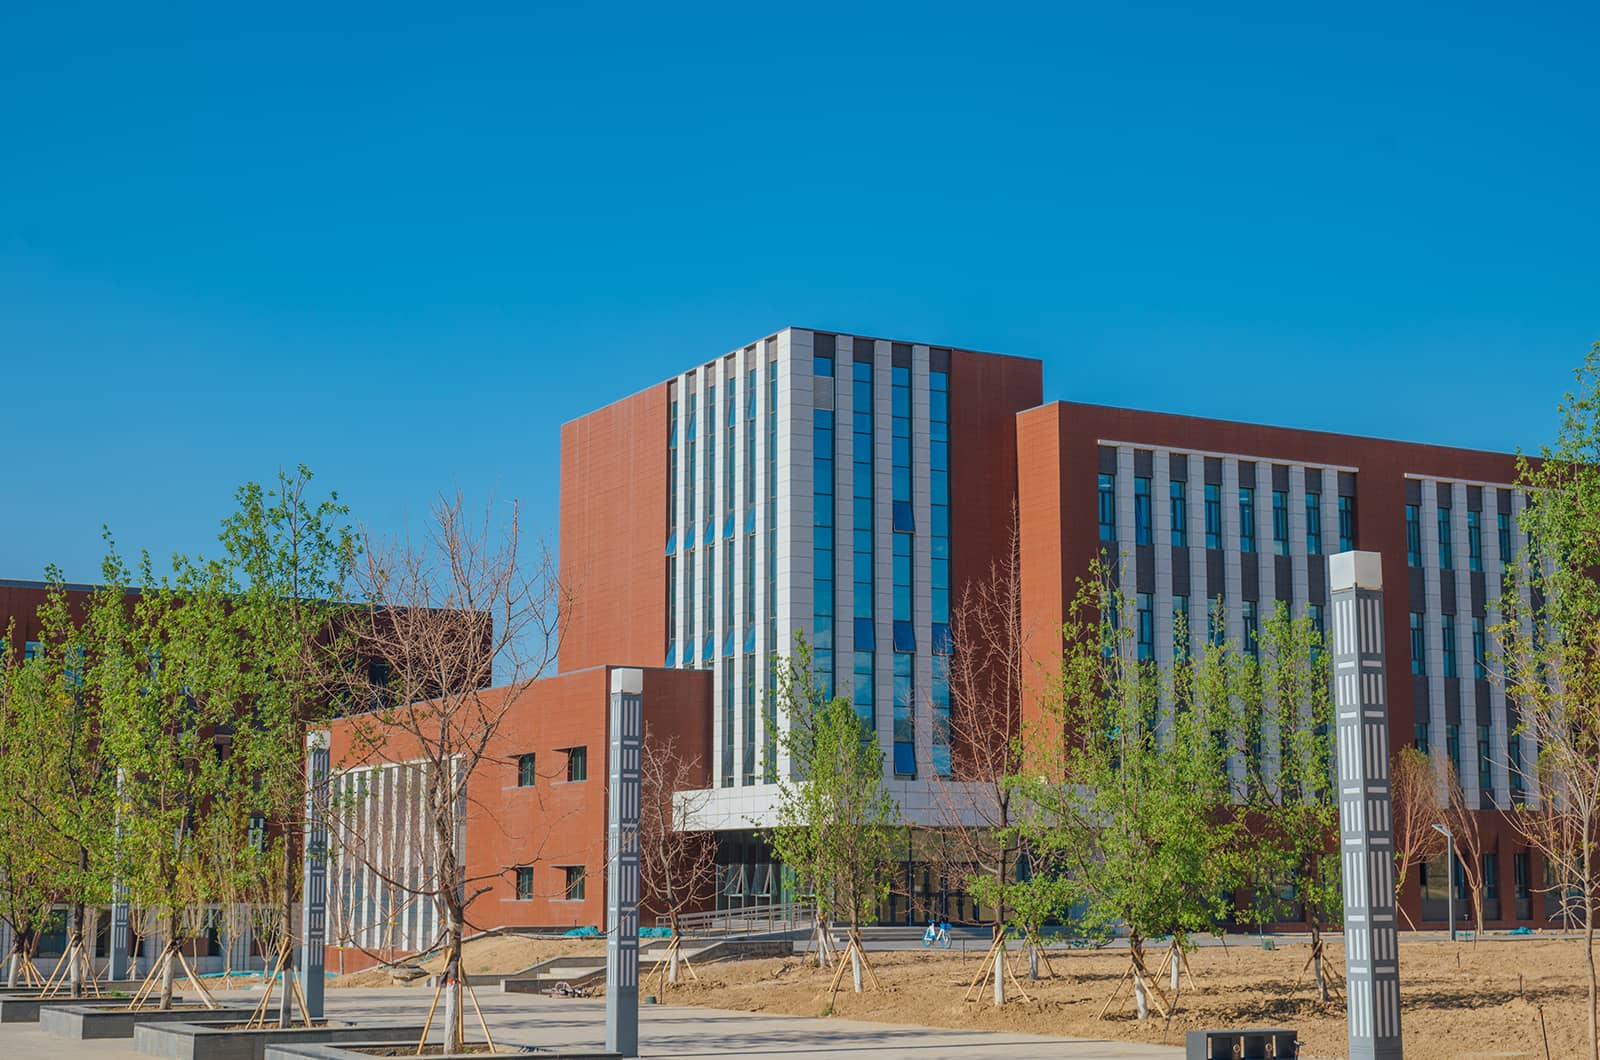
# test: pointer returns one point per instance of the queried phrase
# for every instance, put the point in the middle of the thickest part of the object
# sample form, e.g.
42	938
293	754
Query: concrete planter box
215	1040
349	1051
25	1008
85	1021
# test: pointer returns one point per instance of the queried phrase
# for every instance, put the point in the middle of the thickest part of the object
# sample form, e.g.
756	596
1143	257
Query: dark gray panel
1413	491
1480	595
1480	692
1419	697
1503	501
1144	463
1214	470
900	355
1452	705
1283	573
1216	583
1447	593
1145	568
1314	479
1280	477
1445	494
938	359
1347	484
864	349
1108	460
1180	571
1317	580
1418	592
1247	473
822	344
1250	579
1178	467
1474	498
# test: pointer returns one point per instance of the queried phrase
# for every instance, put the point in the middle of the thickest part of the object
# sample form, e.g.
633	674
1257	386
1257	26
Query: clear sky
402	243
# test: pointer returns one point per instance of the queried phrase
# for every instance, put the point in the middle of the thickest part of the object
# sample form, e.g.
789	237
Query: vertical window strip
748	773
770	740
710	425
1313	523
939	563
863	526
823	547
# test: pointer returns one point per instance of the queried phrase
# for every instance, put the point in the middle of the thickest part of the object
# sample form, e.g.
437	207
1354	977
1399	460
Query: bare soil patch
1459	1000
496	955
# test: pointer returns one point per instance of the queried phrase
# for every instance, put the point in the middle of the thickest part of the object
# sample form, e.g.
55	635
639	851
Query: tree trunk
286	910
1000	975
19	942
1141	997
1316	956
168	972
1033	961
855	962
74	954
453	1015
822	941
1177	961
1588	948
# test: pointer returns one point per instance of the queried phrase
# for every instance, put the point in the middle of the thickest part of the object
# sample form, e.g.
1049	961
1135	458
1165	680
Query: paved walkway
664	1031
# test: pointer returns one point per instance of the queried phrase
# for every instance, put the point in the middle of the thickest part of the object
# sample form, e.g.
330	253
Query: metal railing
748	920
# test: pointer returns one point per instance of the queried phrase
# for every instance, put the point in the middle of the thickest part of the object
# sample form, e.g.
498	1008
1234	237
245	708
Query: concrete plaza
664	1031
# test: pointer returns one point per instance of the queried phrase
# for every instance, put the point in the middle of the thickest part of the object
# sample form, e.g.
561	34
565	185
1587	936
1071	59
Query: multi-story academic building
846	489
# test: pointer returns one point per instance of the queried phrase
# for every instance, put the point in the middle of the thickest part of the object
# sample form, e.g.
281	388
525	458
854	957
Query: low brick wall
213	1041
85	1022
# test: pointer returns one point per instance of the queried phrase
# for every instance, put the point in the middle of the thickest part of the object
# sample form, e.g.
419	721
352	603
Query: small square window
258	833
576	878
904	521
905	639
905	760
524	883
525	771
577	763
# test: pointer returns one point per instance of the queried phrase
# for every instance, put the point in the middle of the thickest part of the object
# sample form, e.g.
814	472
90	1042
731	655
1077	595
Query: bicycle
937	935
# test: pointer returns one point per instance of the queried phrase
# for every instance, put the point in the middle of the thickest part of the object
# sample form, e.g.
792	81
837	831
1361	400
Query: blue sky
403	243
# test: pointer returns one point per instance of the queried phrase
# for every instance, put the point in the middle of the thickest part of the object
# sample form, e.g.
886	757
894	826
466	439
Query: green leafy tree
1285	699
1550	647
1131	797
288	559
170	674
837	826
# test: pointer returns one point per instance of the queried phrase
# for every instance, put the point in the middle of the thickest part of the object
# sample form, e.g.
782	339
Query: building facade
831	486
1211	525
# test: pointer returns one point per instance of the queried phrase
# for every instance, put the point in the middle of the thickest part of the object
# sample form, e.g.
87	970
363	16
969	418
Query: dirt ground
1459	1000
496	955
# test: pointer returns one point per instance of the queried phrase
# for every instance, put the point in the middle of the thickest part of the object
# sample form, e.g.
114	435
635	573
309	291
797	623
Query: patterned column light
1366	838
314	902
622	863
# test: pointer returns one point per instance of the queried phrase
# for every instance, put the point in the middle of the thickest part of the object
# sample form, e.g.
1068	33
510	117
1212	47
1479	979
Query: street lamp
1449	875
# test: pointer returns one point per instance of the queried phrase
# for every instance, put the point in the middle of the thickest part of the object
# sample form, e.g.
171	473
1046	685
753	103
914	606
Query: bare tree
677	868
988	654
1463	823
448	615
1415	790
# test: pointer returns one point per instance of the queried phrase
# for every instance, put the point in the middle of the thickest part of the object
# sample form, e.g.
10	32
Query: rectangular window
1108	508
1347	524
824	595
1319	622
725	764
1180	628
1520	876
256	835
1491	877
1141	511
1213	515
749	772
1514	761
1447	559
1452	745
1314	523
710	499
575	883
1503	523
1280	522
863	547
905	757
1216	622
524	883
1252	628
1474	540
526	777
577	763
1480	650
1180	515
1247	519
709	603
1420	730
1147	627
1419	646
1448	644
1413	536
